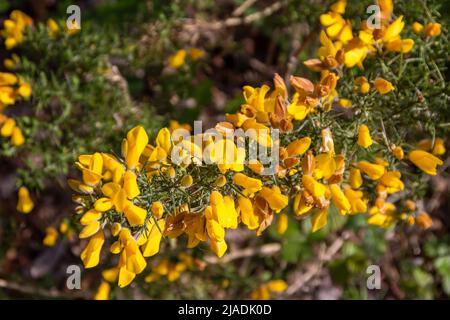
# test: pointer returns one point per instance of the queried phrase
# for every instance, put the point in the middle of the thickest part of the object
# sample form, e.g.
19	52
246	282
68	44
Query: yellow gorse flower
263	292
433	29
103	291
364	139
51	237
425	161
53	27
383	86
200	186
177	59
13	28
373	171
25	204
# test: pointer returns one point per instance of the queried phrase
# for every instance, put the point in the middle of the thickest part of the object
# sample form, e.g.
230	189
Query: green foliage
80	100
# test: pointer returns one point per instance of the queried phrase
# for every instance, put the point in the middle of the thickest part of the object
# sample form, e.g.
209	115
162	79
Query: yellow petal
90	216
135	215
274	198
103	204
151	247
90	229
130	185
163	140
299	147
383	86
425	161
319	219
339	199
219	247
136	141
91	254
364	139
103	291
248	216
24	204
277	285
215	230
282	223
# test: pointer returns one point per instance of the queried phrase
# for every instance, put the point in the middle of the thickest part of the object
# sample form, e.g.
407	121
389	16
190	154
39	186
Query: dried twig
265	250
244	6
39	292
314	269
235	21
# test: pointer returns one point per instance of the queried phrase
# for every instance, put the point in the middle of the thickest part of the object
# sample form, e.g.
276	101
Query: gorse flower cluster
14	28
13	88
39	129
200	185
178	59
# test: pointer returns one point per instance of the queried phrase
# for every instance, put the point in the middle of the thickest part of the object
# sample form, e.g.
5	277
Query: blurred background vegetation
91	88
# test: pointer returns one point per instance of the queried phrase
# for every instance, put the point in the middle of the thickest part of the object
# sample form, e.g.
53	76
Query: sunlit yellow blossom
130	185
8	127
14	28
423	220
17	138
103	291
12	63
135	215
299	147
425	161
24	204
439	147
355	178
51	236
364	139
250	185
417	27
153	238
433	29
247	213
374	171
24	90
319	219
362	85
339	199
391	180
186	181
301	206
219	247
53	27
398	152
282	223
64	227
263	291
91	253
314	187
157	209
90	229
196	53
177	59
345	103
427	145
276	200
383	86
357	201
134	145
220	181
382	214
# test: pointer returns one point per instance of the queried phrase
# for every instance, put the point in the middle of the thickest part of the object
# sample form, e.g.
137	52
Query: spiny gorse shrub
348	143
79	99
